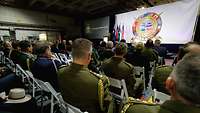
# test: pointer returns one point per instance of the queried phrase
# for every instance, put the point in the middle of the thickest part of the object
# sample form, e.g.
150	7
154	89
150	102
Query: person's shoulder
61	69
138	106
106	61
99	76
128	64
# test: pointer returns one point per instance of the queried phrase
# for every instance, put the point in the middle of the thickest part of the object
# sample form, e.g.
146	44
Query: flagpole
196	22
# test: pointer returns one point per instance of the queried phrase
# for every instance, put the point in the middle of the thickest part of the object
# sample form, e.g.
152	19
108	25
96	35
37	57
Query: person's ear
170	85
89	56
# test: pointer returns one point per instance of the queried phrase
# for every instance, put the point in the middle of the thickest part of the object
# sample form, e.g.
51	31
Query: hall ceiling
86	8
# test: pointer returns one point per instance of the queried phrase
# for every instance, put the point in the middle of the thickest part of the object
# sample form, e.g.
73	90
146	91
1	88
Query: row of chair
38	85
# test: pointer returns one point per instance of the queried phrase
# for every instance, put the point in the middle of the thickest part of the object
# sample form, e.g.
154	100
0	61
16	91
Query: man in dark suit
184	86
117	67
45	66
80	86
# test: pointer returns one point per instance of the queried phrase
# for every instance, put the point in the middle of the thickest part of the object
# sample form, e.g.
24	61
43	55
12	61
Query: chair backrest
63	58
46	86
151	73
2	57
9	63
22	73
160	97
140	75
120	84
160	60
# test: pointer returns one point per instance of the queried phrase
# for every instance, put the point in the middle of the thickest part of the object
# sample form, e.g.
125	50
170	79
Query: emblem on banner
147	25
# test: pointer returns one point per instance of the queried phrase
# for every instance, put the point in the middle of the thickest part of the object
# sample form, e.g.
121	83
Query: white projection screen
174	23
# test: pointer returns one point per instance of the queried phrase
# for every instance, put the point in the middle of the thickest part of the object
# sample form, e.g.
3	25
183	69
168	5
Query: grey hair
80	48
187	77
109	44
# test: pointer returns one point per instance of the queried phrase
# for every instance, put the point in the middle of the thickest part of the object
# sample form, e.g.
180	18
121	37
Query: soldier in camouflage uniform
184	87
116	67
80	86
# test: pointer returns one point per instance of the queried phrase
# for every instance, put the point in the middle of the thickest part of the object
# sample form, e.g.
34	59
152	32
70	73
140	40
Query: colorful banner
174	23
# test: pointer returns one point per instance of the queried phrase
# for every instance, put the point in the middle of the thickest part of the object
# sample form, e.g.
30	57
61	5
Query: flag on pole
123	32
119	33
116	33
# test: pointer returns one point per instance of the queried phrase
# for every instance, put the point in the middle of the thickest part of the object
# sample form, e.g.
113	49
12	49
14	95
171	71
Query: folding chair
160	60
151	73
160	97
64	58
2	57
21	73
119	84
64	107
140	76
9	63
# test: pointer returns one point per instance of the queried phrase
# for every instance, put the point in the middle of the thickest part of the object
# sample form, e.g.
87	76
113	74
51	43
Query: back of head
103	44
157	42
123	40
149	43
121	49
15	44
188	47
80	48
41	47
24	45
109	44
187	78
139	46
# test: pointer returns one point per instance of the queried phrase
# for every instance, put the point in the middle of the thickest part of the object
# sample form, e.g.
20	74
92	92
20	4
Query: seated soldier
25	57
184	86
117	67
81	87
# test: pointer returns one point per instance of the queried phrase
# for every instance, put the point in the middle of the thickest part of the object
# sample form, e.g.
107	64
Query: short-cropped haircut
121	48
81	47
187	77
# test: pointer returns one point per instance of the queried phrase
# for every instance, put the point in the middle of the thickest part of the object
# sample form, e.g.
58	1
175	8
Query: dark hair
15	44
102	44
183	50
24	45
121	48
149	43
81	47
123	40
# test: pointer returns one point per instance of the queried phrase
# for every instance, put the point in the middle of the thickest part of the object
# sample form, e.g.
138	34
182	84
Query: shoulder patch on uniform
132	101
138	101
96	74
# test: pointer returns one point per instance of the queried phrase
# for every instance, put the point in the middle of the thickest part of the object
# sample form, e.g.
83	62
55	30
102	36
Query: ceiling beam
70	4
50	4
32	2
98	7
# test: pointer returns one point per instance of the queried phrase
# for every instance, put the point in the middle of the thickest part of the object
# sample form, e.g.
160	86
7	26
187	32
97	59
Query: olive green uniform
150	54
169	106
85	89
160	76
25	60
118	68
